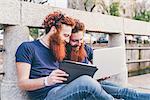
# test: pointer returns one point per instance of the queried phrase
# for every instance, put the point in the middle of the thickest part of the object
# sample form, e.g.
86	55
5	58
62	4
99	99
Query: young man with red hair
38	61
80	52
76	49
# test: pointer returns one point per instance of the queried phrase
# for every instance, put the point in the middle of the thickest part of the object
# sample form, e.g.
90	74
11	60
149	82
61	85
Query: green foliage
34	33
143	16
114	9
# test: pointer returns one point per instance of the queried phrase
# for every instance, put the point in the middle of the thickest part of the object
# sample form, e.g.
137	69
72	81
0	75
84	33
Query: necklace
41	40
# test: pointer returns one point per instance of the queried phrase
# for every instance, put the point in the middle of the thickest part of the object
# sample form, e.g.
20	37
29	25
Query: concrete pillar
13	37
116	40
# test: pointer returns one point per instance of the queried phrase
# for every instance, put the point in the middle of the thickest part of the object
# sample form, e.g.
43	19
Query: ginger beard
78	53
57	45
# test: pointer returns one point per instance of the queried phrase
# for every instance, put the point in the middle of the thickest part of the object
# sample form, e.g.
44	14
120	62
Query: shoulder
89	51
25	52
26	46
88	48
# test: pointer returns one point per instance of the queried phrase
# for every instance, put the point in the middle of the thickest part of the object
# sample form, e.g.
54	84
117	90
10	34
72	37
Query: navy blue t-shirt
89	52
42	63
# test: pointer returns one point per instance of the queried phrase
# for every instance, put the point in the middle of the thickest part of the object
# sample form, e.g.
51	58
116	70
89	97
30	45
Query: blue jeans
86	88
124	93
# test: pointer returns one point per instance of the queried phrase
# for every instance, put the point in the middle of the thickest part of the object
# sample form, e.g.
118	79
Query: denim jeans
124	93
86	88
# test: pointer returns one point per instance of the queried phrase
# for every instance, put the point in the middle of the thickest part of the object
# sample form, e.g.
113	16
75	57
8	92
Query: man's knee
87	81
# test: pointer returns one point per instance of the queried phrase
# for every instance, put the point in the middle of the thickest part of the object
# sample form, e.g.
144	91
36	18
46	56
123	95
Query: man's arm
23	71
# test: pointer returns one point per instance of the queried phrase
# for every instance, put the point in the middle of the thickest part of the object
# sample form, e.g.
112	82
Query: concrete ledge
9	12
96	21
136	27
14	12
33	14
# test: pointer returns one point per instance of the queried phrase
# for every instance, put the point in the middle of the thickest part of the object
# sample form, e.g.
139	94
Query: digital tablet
76	69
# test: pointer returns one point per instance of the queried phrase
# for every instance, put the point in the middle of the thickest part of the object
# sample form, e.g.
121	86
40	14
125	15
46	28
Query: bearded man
76	49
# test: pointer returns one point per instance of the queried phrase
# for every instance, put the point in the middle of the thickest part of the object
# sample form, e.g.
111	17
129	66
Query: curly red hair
74	53
56	44
79	26
56	19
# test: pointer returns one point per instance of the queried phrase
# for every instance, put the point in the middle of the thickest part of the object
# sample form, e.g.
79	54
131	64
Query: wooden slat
138	61
137	48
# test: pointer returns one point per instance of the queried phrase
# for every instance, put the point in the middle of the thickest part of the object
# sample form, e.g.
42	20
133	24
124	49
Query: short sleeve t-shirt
42	63
89	52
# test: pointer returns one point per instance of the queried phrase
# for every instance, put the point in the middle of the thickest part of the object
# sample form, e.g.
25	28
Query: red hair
57	46
79	26
57	19
78	55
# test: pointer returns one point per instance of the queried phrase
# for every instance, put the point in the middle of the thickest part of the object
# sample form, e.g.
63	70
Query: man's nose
78	42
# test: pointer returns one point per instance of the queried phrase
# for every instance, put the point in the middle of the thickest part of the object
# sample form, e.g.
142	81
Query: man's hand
103	79
57	76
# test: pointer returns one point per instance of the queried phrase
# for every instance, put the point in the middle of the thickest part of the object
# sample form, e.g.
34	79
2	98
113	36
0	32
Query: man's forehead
66	26
79	34
76	36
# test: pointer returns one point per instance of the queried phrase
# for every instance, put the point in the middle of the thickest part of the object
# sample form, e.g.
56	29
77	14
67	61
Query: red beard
78	54
58	47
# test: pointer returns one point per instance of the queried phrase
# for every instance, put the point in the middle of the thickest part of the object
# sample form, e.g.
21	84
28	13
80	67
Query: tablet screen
77	69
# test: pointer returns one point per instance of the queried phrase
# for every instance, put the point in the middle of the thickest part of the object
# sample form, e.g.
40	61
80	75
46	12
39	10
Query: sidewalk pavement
140	83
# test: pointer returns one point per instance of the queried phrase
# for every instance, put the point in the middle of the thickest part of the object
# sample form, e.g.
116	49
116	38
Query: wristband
45	81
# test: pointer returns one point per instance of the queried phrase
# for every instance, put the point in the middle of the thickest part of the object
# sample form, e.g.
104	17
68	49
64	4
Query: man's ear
53	29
